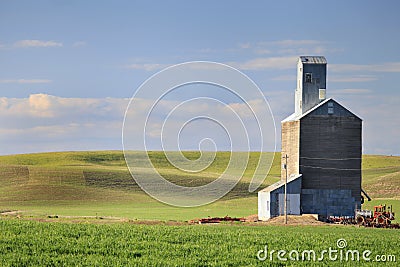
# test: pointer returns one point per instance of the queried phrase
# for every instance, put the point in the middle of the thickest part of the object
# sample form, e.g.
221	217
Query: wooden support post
286	169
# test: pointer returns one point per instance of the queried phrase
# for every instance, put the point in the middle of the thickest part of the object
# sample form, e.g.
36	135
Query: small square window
330	105
308	77
330	110
322	94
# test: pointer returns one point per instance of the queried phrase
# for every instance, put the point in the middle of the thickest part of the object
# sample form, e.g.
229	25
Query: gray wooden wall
330	153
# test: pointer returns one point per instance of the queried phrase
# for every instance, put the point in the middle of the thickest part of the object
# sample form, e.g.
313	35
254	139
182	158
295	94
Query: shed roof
313	60
278	184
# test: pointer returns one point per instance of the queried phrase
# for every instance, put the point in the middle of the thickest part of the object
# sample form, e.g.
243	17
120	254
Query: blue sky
67	68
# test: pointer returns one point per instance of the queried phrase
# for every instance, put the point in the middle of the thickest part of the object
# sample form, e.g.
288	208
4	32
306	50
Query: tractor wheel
387	222
360	220
381	220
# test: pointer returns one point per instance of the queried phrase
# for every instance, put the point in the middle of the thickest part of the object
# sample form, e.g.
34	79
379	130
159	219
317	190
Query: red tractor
381	217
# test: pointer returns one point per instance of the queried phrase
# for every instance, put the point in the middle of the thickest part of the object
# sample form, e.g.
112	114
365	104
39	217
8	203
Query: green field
66	204
99	184
31	243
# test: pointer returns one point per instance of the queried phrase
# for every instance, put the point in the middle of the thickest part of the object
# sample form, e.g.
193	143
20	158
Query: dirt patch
251	218
12	213
305	219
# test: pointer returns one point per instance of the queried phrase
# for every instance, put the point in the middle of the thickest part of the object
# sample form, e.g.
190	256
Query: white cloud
160	66
291	47
206	51
43	122
353	78
147	66
262	51
266	63
245	45
284	78
79	43
382	67
46	109
289	42
37	43
334	78
26	81
351	91
388	67
284	47
40	105
318	50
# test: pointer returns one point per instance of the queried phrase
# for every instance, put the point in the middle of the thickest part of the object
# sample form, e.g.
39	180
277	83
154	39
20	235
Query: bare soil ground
306	219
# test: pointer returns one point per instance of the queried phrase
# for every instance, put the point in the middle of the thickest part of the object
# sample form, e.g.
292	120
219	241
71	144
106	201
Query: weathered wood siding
330	151
290	147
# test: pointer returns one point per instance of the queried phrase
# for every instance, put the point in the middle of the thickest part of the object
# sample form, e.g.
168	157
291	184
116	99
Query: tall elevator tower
322	141
311	83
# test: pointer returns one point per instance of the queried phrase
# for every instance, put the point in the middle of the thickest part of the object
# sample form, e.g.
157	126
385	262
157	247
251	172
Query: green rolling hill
98	184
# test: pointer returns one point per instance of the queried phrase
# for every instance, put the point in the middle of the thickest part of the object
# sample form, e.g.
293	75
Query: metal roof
295	117
313	60
280	183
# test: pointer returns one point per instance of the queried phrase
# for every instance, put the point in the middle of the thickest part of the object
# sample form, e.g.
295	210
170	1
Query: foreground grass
30	243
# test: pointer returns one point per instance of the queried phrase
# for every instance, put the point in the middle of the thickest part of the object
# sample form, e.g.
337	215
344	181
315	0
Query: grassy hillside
381	176
98	183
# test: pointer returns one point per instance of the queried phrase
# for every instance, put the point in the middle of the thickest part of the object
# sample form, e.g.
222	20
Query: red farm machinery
381	217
